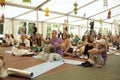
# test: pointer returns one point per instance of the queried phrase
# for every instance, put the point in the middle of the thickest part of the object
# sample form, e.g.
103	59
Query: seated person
3	72
32	40
49	54
89	45
14	41
80	48
22	46
82	42
47	37
66	45
98	55
56	42
4	38
76	40
38	43
7	41
114	41
118	42
53	55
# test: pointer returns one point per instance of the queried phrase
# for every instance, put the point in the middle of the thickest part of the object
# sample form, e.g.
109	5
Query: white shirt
8	40
26	41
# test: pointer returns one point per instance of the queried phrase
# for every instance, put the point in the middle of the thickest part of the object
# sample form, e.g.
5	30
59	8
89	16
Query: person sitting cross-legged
49	54
89	45
22	46
7	41
80	48
66	45
39	44
98	55
56	42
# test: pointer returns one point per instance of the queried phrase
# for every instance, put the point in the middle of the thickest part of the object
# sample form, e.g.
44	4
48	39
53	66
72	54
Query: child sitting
49	54
97	55
53	55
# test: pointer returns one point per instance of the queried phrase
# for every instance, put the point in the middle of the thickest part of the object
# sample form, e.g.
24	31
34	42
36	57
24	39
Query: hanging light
105	3
2	18
47	12
75	9
84	15
2	3
109	14
65	23
101	21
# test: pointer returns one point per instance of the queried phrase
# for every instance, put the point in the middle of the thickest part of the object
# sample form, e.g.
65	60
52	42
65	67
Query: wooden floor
27	61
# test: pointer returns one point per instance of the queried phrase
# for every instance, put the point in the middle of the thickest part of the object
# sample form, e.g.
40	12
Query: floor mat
117	53
44	67
67	61
73	62
110	71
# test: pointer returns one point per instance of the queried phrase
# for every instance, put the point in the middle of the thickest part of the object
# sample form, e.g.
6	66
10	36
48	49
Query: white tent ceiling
60	9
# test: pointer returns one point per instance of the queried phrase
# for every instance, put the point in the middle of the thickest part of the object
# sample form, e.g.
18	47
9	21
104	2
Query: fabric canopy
61	10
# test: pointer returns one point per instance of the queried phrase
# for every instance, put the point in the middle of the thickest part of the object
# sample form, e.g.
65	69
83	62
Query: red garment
109	14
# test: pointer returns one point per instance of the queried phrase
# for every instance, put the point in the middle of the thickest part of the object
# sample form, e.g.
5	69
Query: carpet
110	71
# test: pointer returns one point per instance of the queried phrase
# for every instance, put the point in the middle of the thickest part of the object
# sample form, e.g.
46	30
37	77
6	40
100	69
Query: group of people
8	40
92	49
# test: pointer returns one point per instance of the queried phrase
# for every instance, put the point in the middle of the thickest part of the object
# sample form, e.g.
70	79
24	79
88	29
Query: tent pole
79	31
12	26
101	29
87	25
111	28
41	27
68	24
119	29
37	18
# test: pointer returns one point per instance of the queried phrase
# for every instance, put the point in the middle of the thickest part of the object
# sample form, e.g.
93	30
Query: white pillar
42	27
79	31
68	24
87	24
37	18
119	29
111	28
12	27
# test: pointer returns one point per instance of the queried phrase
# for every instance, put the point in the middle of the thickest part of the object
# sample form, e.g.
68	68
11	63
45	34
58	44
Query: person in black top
34	29
32	40
88	46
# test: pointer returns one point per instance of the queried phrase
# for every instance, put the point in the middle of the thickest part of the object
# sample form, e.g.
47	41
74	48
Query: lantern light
75	9
2	17
65	23
109	14
2	3
101	21
47	12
